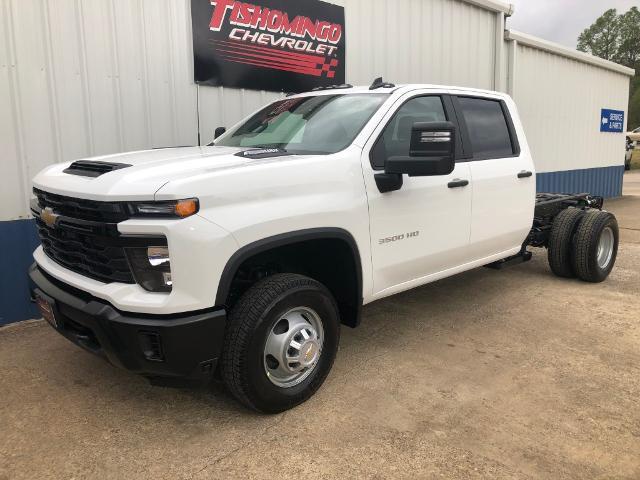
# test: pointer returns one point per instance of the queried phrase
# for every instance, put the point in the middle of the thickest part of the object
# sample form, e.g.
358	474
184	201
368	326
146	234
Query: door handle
457	183
525	174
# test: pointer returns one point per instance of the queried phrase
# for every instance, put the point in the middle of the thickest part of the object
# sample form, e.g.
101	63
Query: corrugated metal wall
87	77
80	78
418	41
559	100
406	41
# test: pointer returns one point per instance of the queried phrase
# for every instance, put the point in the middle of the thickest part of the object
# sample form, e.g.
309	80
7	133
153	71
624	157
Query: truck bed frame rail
549	205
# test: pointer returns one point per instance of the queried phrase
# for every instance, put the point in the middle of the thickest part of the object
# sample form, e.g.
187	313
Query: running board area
522	257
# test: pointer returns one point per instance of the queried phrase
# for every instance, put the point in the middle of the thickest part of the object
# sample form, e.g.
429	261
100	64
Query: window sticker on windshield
284	106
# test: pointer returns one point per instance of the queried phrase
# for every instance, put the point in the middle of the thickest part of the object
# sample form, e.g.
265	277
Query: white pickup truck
240	260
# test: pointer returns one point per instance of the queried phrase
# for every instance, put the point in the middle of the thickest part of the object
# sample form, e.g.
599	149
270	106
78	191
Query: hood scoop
93	168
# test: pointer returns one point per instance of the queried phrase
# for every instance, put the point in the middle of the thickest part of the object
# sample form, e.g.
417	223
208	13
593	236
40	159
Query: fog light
151	268
151	345
158	256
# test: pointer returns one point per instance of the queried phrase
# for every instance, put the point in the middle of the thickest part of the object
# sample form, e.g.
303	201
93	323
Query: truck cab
433	226
241	259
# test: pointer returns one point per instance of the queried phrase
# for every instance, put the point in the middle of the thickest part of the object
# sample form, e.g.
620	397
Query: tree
617	38
629	48
634	103
603	37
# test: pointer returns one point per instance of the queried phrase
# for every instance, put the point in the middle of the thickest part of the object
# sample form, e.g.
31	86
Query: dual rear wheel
583	244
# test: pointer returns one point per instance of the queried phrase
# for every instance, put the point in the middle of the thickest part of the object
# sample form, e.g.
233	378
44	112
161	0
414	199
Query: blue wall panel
603	181
18	240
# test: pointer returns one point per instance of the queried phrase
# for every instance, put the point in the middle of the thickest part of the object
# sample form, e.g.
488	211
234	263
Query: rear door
502	174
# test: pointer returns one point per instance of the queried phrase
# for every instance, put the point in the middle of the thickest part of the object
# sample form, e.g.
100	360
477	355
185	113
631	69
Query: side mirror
431	152
219	131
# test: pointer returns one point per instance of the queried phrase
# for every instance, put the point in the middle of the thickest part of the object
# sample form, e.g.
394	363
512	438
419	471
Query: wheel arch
350	304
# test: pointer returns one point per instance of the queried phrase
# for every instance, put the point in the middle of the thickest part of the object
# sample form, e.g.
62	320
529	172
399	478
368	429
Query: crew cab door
502	173
422	227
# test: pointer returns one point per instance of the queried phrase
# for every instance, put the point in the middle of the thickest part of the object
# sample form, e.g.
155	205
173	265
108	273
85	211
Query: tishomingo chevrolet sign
276	45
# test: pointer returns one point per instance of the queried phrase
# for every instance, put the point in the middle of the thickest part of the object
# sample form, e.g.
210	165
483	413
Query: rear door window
488	128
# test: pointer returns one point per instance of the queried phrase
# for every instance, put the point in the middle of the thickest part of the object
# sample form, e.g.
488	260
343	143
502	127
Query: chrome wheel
605	248
293	347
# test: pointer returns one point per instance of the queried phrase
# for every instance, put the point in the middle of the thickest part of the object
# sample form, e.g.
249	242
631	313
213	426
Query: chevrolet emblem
48	217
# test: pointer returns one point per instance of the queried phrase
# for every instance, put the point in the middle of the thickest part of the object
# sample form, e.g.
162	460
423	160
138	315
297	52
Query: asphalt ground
489	374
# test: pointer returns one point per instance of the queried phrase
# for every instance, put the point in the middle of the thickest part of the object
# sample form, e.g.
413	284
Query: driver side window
396	137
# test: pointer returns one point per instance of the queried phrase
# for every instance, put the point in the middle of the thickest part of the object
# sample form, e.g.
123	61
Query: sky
561	21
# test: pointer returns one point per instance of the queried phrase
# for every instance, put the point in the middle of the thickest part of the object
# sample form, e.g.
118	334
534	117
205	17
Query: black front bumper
185	347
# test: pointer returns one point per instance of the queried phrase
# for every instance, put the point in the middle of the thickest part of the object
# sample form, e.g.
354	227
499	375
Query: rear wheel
561	242
595	246
281	341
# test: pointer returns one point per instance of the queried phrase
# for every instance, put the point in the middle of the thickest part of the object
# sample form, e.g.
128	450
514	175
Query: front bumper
174	346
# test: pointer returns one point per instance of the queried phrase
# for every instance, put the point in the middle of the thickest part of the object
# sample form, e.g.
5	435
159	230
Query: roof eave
493	5
540	44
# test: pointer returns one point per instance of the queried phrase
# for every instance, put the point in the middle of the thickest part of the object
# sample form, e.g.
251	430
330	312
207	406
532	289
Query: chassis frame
548	206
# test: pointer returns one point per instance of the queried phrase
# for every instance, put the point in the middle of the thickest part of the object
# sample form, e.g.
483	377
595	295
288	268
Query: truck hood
147	172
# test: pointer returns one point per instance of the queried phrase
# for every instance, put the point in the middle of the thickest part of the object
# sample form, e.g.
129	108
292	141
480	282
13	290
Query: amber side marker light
166	209
186	208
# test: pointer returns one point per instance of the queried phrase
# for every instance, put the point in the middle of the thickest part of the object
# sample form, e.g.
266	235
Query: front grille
83	209
84	252
84	237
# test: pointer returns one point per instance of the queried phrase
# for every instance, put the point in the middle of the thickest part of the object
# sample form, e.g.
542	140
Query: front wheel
281	340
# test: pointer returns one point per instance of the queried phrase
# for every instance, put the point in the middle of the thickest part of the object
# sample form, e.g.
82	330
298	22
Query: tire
275	304
560	245
591	262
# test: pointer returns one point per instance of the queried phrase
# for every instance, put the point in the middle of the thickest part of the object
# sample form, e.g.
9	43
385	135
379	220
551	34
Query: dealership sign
276	45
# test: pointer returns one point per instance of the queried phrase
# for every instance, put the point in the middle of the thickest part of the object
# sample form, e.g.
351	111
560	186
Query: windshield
307	125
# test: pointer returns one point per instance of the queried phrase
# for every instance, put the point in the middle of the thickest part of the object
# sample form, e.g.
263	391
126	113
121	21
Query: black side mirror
431	152
219	131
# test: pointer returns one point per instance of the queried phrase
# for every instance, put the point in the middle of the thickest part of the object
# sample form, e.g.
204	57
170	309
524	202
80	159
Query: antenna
198	111
380	83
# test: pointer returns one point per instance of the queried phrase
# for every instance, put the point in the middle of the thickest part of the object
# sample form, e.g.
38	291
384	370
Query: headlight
171	209
151	268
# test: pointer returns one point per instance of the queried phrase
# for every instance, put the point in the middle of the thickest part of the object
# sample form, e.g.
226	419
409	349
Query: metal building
560	94
80	78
